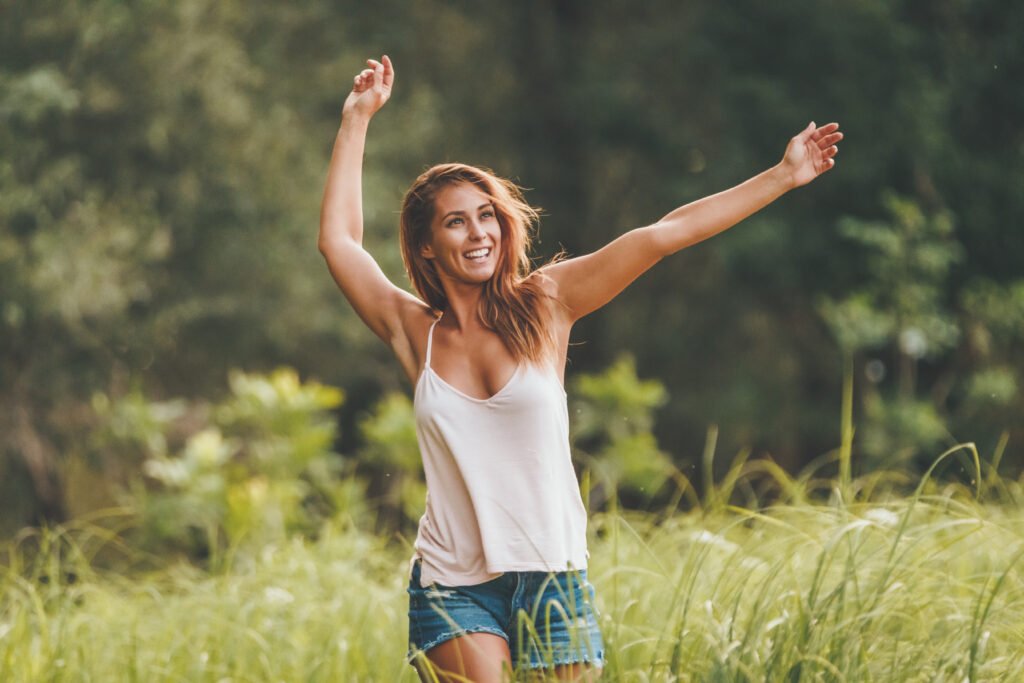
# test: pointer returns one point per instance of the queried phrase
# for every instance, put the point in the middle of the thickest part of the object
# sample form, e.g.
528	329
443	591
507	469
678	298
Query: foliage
391	459
612	428
163	162
255	468
901	310
904	312
994	324
909	262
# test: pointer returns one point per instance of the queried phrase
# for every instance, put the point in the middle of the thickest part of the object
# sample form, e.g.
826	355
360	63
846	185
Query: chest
477	365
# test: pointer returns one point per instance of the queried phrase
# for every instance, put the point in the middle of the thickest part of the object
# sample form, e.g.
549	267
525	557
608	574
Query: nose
476	231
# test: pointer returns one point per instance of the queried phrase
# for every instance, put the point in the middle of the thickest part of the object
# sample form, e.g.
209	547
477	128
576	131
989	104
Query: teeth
477	253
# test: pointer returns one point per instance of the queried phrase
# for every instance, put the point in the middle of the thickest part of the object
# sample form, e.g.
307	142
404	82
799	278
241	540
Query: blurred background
171	342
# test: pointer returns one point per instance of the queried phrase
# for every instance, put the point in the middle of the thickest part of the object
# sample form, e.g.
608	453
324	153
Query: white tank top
502	494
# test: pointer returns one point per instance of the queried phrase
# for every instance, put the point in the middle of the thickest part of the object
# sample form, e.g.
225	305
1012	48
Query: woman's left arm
586	283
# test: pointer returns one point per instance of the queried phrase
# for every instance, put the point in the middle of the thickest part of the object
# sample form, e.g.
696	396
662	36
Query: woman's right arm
375	299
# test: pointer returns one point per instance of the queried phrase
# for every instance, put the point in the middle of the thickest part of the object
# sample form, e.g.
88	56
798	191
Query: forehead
460	196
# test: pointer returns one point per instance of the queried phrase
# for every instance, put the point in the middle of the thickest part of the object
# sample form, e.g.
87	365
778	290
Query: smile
477	254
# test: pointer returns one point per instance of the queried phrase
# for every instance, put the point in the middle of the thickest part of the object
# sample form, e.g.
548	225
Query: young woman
499	569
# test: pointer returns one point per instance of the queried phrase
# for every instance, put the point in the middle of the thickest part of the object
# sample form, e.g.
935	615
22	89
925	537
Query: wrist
354	120
782	177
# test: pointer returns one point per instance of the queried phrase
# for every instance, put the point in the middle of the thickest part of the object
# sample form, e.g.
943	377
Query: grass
862	585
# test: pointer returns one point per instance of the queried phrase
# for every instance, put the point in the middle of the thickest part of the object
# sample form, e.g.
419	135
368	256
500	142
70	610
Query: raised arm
377	301
586	283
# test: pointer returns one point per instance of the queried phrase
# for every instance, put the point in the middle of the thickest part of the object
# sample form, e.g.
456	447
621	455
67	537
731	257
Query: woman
500	564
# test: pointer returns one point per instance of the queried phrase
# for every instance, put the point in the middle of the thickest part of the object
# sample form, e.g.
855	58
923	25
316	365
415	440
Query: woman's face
465	236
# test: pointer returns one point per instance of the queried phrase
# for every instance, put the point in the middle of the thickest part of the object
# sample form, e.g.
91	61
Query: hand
810	153
371	88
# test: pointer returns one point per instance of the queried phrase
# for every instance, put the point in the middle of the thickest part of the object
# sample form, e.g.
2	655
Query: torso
475	361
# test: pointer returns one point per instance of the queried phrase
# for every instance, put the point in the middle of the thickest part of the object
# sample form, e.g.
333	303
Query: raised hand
810	153
371	88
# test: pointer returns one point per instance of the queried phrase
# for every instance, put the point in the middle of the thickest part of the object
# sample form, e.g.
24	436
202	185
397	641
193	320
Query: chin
483	274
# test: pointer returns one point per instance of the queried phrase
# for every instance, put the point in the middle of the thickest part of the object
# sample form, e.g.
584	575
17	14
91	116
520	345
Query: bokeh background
161	168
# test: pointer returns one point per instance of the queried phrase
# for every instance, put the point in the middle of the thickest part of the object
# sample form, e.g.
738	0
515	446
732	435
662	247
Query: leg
476	657
578	672
562	622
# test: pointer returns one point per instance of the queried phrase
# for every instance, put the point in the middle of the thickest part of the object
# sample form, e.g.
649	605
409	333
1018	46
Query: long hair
511	305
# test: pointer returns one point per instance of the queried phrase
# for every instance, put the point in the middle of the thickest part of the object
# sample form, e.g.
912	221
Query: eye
453	221
487	214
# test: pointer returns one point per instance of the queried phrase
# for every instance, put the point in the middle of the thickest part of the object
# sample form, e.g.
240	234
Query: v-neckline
428	368
492	397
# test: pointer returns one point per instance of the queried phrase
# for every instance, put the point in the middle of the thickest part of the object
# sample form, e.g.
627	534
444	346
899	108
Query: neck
463	304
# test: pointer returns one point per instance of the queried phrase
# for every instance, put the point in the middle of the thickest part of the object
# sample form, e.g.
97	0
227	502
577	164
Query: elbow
670	237
334	238
327	244
336	247
659	241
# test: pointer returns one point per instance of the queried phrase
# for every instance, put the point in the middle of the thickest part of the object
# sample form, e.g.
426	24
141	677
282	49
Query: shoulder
549	289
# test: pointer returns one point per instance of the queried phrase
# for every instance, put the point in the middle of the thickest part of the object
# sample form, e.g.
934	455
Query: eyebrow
463	213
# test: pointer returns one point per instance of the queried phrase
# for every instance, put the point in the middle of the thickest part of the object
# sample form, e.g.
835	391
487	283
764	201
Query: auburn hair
512	305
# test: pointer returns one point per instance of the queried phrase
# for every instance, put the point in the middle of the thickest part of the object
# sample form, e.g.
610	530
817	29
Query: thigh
582	673
556	623
479	657
439	614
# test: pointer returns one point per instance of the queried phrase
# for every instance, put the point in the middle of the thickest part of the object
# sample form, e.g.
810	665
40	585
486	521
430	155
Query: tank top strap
430	341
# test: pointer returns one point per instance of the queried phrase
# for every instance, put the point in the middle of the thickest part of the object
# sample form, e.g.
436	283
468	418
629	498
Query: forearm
711	215
341	213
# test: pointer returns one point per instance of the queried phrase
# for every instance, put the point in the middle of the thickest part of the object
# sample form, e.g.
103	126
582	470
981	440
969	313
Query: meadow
162	172
832	582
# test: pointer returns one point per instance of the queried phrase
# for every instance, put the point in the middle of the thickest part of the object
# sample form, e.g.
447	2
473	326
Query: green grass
925	587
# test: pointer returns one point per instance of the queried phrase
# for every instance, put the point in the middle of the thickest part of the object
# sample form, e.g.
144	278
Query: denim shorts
547	618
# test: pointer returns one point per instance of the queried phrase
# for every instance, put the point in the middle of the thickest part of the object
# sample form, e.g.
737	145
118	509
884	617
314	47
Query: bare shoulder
560	314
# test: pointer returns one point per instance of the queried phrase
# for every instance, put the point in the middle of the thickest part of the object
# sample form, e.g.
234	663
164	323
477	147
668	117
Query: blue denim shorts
546	618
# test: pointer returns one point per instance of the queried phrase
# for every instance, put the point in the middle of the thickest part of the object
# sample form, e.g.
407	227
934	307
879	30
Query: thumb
806	132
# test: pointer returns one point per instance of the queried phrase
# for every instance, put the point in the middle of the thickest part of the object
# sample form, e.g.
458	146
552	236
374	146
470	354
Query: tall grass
864	586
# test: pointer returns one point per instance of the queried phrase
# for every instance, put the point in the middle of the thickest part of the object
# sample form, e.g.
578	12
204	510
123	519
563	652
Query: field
922	587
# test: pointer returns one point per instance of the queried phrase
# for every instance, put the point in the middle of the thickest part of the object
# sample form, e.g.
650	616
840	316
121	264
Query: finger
389	71
829	140
827	129
362	79
806	132
831	151
378	75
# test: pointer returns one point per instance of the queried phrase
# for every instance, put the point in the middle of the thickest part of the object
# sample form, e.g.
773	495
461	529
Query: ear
427	251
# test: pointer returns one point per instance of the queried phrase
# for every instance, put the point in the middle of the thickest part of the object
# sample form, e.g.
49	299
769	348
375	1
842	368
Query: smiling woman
501	551
463	227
